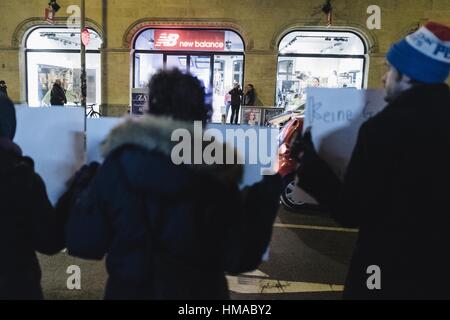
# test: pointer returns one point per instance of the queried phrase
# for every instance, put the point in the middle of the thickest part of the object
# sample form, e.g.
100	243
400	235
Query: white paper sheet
335	116
257	149
54	138
96	132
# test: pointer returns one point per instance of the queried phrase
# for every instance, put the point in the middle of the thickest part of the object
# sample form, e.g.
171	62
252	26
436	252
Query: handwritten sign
335	116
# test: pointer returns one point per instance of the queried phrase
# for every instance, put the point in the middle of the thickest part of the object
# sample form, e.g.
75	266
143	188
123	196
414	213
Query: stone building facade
260	23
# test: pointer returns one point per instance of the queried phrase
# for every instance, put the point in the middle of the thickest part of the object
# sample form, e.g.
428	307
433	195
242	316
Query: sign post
83	60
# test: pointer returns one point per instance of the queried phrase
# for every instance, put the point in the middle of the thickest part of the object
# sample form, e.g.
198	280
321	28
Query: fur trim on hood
154	133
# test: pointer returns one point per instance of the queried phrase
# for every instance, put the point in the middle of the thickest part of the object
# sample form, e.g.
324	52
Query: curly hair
177	94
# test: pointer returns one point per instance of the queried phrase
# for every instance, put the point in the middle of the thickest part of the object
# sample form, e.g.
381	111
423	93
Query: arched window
216	57
333	59
54	53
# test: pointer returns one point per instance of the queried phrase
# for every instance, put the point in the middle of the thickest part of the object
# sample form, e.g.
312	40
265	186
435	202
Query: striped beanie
424	55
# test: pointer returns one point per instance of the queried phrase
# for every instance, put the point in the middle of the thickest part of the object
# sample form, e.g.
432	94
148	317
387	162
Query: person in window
333	80
58	94
236	99
170	231
28	222
250	96
3	88
315	82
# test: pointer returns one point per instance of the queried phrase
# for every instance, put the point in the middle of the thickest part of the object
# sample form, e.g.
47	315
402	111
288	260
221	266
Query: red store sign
189	40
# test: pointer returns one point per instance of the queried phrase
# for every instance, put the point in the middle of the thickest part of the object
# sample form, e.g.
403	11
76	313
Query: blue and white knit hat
424	55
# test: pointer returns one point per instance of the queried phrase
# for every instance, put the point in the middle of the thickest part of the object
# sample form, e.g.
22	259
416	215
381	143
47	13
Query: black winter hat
7	118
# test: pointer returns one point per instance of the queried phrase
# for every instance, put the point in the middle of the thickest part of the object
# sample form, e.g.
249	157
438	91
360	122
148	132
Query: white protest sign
54	138
335	116
259	150
96	132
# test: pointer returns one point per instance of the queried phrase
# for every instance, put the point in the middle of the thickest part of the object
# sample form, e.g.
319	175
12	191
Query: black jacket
249	98
28	223
236	96
396	191
168	231
4	90
57	96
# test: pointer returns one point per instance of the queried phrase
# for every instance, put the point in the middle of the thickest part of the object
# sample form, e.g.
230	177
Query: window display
214	56
53	53
318	59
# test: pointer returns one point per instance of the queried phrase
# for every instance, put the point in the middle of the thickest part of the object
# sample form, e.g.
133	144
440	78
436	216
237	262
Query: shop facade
215	57
280	47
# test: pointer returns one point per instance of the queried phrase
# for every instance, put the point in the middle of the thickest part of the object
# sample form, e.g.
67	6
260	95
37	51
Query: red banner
189	40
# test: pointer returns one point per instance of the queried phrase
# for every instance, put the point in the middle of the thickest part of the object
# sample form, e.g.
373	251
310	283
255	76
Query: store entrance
216	57
217	72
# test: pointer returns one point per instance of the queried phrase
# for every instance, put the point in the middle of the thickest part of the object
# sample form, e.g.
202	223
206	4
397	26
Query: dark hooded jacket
57	96
168	231
28	222
396	191
4	90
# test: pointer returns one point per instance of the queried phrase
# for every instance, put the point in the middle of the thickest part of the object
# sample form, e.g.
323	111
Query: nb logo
167	40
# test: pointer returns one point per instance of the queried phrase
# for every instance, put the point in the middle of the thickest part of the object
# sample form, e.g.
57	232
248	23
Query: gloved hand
314	175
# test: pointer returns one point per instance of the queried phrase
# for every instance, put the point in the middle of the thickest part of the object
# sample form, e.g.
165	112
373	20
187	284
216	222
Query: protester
170	231
236	98
250	96
58	94
396	185
28	222
3	88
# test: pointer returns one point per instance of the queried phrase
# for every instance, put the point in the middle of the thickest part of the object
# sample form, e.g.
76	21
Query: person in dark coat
58	94
170	231
236	99
28	222
3	88
250	96
396	185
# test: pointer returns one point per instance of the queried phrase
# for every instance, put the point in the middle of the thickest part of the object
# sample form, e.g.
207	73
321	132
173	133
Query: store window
54	53
216	57
327	59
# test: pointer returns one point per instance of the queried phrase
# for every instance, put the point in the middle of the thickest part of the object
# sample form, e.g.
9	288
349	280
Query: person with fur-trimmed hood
170	231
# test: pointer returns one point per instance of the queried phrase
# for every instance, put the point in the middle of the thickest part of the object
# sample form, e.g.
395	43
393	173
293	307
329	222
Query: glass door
176	61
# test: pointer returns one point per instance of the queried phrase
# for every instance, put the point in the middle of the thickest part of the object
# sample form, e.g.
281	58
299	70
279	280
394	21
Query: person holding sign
395	188
28	222
170	231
